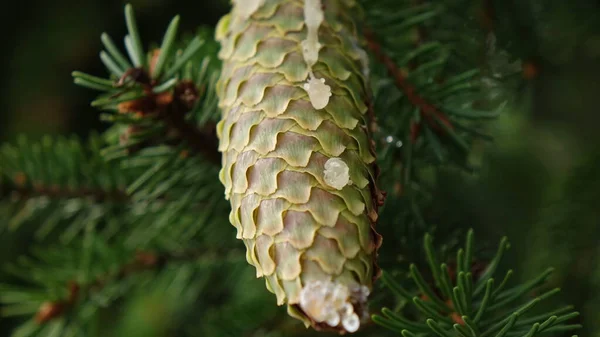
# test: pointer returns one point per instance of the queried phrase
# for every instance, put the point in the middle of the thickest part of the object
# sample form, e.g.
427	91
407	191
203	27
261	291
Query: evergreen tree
129	232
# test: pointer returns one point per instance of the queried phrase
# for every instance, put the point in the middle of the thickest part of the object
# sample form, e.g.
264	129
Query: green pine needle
114	52
135	46
116	99
192	48
462	311
166	48
165	86
92	82
111	65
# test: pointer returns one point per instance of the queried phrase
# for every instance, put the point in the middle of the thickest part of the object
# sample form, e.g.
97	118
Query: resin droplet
310	51
332	303
337	173
313	17
313	13
351	323
318	92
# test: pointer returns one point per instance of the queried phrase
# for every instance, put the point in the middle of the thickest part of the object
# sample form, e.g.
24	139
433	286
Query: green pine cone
298	163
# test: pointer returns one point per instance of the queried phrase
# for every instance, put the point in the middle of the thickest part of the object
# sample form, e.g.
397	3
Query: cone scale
298	163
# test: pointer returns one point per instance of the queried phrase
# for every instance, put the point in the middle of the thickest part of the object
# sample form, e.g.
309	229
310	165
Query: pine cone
298	163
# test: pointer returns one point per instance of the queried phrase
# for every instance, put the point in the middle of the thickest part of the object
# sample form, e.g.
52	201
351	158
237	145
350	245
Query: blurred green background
540	184
46	40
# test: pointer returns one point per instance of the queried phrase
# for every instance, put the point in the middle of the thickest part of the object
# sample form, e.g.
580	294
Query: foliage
131	226
432	75
463	300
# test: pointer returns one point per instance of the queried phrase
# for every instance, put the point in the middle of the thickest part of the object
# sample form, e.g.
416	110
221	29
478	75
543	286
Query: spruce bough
141	207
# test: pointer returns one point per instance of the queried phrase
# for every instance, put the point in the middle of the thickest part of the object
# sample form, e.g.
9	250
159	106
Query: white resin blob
337	173
333	303
313	17
318	91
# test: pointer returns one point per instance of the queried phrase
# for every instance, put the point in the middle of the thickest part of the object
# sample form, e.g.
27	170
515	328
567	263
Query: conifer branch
142	261
119	227
59	168
171	108
162	96
427	109
62	192
202	141
464	299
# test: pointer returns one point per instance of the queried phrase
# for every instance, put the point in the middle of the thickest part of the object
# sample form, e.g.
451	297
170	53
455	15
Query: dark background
44	41
541	180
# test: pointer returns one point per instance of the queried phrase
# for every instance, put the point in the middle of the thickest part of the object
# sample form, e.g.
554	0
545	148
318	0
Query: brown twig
22	189
200	140
171	108
142	261
51	310
487	16
427	110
